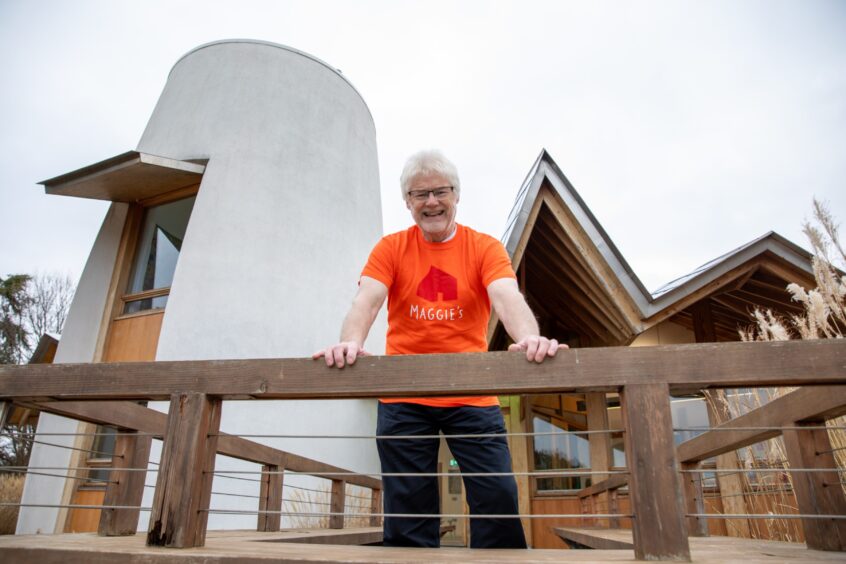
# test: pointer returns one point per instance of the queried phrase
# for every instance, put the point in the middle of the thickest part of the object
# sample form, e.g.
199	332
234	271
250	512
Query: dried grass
11	488
824	317
356	507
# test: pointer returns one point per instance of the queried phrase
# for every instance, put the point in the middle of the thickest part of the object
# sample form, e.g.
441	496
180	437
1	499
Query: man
441	279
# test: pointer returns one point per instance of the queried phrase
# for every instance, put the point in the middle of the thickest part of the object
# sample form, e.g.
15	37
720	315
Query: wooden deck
247	547
703	549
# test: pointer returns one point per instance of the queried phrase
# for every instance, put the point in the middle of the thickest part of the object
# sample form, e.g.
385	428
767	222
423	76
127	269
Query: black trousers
491	495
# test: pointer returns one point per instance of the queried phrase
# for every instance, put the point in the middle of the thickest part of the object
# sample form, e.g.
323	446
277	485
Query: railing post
183	489
337	503
125	488
600	450
375	507
270	498
694	500
817	493
614	509
658	524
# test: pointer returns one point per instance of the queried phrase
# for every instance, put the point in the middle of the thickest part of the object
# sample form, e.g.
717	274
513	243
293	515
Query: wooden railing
644	377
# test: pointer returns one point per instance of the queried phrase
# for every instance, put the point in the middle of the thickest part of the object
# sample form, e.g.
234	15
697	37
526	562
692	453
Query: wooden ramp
703	549
250	547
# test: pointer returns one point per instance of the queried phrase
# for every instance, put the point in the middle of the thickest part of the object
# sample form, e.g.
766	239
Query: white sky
689	128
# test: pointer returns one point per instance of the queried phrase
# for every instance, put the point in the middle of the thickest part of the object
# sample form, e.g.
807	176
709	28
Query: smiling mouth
434	214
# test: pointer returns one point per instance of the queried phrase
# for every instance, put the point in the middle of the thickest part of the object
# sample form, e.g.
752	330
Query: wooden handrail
644	377
683	367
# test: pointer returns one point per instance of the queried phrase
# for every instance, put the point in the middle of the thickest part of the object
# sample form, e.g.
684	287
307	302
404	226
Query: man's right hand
341	354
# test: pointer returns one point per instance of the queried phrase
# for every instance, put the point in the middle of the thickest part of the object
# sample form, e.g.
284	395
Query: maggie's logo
438	282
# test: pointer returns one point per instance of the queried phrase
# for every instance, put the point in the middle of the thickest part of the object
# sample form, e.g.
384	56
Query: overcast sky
689	128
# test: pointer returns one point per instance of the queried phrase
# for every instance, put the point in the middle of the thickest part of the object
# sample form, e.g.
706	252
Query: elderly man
441	279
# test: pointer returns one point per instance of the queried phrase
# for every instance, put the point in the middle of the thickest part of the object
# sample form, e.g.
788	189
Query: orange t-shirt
437	296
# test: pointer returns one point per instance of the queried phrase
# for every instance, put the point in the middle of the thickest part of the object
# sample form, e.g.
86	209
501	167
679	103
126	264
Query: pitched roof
546	187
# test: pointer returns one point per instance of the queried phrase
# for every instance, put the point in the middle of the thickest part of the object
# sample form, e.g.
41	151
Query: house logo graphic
438	282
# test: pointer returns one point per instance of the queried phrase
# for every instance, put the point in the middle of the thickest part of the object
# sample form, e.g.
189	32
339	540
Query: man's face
436	218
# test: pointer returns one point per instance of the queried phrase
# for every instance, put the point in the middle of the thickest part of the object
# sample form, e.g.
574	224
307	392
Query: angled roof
547	202
128	177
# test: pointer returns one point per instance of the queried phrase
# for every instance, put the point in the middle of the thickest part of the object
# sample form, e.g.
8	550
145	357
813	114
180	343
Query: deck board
251	547
702	548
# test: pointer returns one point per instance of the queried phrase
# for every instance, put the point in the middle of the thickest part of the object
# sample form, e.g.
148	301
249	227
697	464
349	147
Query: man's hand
537	348
341	354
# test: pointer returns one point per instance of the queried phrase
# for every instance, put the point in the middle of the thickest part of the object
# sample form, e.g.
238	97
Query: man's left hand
537	348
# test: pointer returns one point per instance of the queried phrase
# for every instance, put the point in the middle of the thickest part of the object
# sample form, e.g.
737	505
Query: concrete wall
78	344
286	215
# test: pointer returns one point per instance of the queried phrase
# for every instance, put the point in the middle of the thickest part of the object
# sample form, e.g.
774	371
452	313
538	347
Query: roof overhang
129	177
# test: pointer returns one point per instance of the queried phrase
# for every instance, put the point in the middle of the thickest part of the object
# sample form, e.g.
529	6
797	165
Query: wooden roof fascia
707	290
608	250
519	238
582	273
587	320
129	177
597	304
779	248
606	275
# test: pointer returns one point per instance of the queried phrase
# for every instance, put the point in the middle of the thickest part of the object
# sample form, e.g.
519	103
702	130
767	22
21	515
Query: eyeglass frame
423	195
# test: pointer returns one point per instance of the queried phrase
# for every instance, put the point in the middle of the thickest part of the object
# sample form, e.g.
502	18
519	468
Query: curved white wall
287	212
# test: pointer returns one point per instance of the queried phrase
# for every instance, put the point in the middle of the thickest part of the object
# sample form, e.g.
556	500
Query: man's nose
430	198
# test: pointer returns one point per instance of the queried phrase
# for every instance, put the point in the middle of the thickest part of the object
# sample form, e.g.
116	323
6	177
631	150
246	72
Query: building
213	249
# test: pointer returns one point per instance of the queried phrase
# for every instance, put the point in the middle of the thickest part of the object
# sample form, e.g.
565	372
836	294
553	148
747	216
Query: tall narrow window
159	244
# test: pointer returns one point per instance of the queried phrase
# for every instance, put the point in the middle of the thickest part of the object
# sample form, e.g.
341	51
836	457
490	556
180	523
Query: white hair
427	162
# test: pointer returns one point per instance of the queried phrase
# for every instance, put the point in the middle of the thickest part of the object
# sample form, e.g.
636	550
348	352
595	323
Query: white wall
78	344
287	213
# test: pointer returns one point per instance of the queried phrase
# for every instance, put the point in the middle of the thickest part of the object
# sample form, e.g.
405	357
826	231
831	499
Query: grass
11	488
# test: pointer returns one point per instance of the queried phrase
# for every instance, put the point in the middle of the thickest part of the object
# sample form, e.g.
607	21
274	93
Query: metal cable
761	516
74	506
101	469
830	450
542	474
427	516
763	492
412	437
67	476
238	478
108	454
785	428
746	470
93	434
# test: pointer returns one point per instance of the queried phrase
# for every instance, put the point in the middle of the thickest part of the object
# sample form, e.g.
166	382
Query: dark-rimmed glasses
423	195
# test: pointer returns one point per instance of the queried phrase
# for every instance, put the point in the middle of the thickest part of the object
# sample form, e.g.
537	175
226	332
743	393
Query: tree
14	336
50	299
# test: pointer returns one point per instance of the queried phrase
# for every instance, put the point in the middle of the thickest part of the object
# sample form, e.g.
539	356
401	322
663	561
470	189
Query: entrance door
134	327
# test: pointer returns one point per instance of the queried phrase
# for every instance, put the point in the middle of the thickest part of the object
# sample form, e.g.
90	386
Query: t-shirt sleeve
380	264
495	261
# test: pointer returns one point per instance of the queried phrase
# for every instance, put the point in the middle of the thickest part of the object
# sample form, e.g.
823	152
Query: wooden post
596	407
270	498
183	488
694	500
614	508
731	483
339	495
817	493
375	507
126	488
658	525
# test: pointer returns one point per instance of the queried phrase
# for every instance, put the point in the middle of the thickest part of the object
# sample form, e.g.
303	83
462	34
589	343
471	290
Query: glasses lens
423	195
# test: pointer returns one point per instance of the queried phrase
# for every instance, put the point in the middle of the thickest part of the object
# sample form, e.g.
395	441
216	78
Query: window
560	452
159	243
